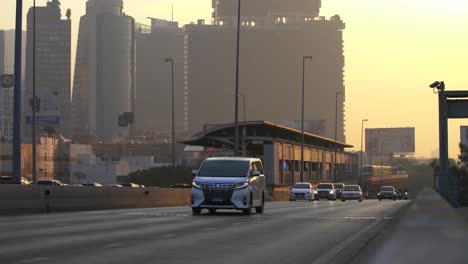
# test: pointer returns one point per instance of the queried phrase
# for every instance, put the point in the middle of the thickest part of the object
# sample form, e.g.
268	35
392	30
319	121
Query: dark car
387	192
325	191
50	183
181	186
130	185
11	180
339	189
92	184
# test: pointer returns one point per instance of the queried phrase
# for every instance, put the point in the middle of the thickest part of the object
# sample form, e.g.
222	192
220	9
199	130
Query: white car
229	183
301	191
352	192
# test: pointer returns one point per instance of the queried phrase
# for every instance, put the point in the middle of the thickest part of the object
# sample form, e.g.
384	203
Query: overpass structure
280	149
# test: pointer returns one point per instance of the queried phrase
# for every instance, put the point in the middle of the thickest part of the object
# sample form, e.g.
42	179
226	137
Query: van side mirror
194	172
255	174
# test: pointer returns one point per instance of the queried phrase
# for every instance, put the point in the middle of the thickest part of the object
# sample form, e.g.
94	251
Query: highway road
298	232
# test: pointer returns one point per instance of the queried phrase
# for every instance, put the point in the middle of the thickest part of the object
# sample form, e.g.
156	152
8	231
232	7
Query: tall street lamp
236	107
336	132
243	100
17	94
173	112
34	101
362	139
381	162
304	58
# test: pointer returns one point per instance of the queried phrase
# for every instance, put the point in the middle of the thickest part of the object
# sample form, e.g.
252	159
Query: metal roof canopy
222	136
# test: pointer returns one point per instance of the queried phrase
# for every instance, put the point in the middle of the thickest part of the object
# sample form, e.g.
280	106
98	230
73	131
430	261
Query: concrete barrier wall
27	199
16	199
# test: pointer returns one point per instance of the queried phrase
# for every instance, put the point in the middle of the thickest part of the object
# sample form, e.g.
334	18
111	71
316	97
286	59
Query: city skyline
379	37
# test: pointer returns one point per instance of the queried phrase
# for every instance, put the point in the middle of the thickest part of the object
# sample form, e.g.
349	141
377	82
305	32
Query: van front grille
218	194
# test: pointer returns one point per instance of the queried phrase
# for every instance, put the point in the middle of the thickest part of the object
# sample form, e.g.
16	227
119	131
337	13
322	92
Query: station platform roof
258	132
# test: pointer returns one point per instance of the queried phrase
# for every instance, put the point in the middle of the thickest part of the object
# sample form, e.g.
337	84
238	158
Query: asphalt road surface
297	232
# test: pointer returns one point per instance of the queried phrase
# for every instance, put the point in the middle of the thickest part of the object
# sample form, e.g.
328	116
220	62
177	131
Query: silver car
351	192
301	191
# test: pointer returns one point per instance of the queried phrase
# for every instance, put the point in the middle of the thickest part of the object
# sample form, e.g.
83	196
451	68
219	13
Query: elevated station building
280	149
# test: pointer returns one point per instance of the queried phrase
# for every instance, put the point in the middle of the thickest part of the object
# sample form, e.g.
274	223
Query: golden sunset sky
394	49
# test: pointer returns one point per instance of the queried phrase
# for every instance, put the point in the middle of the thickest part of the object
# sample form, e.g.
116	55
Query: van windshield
224	168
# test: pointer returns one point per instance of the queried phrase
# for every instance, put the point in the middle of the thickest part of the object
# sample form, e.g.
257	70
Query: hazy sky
394	49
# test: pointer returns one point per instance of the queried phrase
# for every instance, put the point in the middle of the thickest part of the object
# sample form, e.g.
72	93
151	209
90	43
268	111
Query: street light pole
236	107
243	100
370	147
304	58
381	163
17	94
173	112
362	139
336	132
34	101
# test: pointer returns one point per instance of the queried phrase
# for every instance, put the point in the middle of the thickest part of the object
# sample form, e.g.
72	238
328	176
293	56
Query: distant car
339	189
301	191
92	184
130	185
181	186
325	191
352	192
11	180
387	192
115	185
50	183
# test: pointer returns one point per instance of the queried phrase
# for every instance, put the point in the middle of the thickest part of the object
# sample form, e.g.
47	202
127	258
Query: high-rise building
275	35
7	51
52	41
103	87
164	39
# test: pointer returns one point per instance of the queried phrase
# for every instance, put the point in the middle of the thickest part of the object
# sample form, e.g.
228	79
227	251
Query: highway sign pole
17	94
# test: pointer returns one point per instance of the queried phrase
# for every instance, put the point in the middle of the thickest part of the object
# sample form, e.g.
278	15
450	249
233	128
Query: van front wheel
247	211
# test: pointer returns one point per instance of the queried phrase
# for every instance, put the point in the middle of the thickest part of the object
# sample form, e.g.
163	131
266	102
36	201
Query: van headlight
315	192
242	185
196	185
331	192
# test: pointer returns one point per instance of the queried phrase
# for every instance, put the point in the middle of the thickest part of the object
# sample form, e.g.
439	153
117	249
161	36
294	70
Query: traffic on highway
239	184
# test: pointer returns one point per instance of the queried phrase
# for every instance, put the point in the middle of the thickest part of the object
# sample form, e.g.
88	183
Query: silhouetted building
275	36
7	51
103	88
52	71
164	39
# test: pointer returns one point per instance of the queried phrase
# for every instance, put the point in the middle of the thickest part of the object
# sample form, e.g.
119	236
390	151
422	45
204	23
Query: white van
229	183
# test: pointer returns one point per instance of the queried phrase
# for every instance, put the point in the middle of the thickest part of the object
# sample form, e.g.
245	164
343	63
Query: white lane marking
350	217
169	235
209	229
33	260
113	245
334	251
